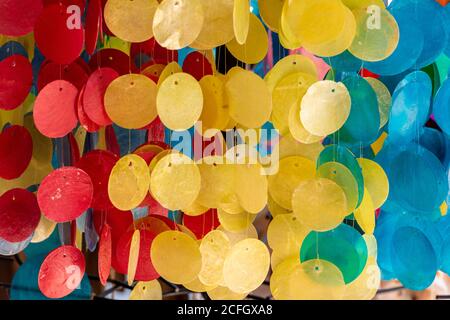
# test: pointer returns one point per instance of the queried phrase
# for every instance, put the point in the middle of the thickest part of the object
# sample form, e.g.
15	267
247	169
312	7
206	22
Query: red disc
93	20
19	215
16	150
59	35
79	3
61	272
17	18
54	109
111	58
85	122
94	92
16	78
104	254
65	194
73	73
98	165
202	224
197	65
145	270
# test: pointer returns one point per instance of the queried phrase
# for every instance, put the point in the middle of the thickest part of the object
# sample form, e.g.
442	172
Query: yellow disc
176	257
325	107
130	20
175	181
251	187
375	180
372	245
154	70
355	4
340	43
279	256
255	47
235	237
148	290
384	99
286	233
187	231
270	11
158	157
197	286
246	266
241	20
292	171
315	21
288	65
130	101
311	280
230	203
377	35
288	91
378	144
134	256
44	230
216	181
169	70
288	42
223	293
250	107
179	101
217	26
344	178
288	146
275	209
320	204
195	209
214	249
235	222
128	182
178	23
365	213
365	286
443	208
214	113
296	128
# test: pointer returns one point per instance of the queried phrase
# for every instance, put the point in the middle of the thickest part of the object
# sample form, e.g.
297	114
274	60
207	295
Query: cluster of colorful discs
96	102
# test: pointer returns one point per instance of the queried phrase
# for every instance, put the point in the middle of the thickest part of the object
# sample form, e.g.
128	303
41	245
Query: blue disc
436	142
410	107
414	260
344	62
25	286
408	50
417	179
441	109
429	17
363	123
337	153
445	255
384	229
11	48
343	246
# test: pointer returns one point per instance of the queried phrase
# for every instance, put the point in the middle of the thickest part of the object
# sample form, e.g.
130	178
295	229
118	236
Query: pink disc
145	270
59	33
55	109
93	24
111	58
16	78
94	93
104	254
16	150
17	18
98	165
197	65
65	194
202	224
73	73
19	215
61	272
85	122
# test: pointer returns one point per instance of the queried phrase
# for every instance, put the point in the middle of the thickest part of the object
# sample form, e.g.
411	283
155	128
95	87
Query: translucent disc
375	181
246	266
238	222
241	20
365	214
384	99
176	257
179	101
366	285
320	204
214	248
148	290
296	128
